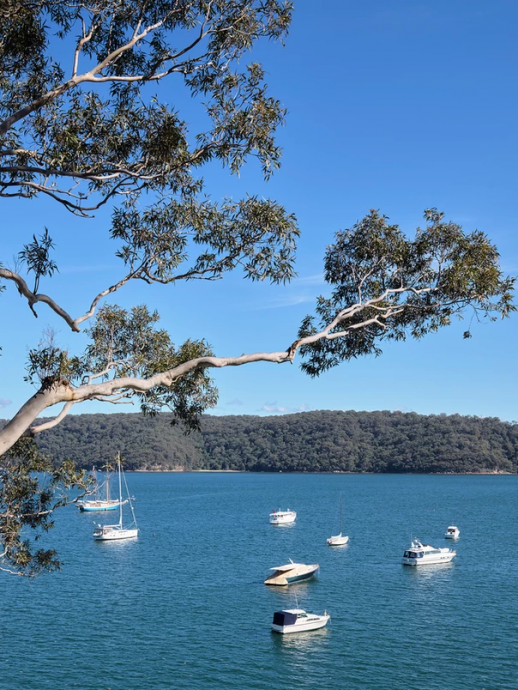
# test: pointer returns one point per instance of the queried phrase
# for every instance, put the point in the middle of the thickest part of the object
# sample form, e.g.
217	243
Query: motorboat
282	517
297	620
291	572
118	531
452	532
339	539
424	554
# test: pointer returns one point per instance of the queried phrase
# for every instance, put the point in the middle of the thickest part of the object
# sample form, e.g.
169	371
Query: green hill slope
324	441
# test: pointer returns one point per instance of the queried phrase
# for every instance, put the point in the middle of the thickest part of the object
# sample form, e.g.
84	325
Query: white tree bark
114	389
64	392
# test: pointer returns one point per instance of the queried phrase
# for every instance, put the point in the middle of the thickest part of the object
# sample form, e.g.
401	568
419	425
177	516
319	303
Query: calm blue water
185	606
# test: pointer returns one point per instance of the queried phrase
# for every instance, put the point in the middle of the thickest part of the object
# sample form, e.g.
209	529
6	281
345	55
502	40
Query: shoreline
494	473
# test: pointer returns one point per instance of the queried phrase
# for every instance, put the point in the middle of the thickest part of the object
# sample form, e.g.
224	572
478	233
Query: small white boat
452	532
282	517
424	554
118	531
291	572
339	539
297	620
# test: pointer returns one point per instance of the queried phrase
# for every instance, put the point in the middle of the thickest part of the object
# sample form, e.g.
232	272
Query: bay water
185	607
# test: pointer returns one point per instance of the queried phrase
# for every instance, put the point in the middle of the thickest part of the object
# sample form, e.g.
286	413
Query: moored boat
297	620
118	531
424	554
99	504
339	539
282	517
291	572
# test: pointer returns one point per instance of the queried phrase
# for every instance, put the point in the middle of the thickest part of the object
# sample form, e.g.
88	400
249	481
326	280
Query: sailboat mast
340	513
120	491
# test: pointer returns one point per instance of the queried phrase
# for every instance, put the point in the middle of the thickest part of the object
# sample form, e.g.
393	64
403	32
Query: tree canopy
319	441
82	123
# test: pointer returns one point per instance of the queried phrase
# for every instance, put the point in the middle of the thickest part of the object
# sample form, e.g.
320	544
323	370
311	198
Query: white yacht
297	620
118	531
291	572
452	532
424	554
282	517
97	503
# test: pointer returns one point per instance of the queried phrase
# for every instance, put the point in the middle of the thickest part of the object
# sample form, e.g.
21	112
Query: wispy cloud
301	290
274	408
236	402
316	279
5	402
286	301
90	269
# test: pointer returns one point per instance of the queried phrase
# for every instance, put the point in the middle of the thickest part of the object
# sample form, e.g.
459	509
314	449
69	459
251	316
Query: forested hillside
324	441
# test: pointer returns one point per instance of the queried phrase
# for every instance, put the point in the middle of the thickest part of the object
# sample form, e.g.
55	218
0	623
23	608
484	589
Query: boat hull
92	508
283	518
114	534
291	576
435	560
339	540
314	624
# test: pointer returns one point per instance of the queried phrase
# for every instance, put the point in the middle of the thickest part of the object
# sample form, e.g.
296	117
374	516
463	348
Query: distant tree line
324	441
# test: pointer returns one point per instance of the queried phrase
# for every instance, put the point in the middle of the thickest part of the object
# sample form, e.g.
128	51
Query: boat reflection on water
426	573
294	595
302	642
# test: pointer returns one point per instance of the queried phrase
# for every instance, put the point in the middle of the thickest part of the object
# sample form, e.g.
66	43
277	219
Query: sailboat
339	540
100	504
118	531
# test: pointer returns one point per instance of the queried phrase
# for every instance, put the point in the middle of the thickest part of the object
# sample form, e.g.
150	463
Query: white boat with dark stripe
297	620
424	554
291	572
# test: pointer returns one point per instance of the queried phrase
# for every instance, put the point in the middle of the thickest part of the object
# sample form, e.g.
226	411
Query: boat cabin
430	551
289	617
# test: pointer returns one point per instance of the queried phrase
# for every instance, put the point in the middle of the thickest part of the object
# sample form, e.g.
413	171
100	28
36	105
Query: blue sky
396	105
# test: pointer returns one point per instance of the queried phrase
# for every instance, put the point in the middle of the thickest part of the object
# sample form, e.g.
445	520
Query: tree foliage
386	286
32	487
88	119
81	122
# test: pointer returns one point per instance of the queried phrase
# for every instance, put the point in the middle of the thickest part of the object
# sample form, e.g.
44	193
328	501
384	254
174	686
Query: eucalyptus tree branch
115	401
105	293
54	422
34	298
9	571
82	41
363	324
